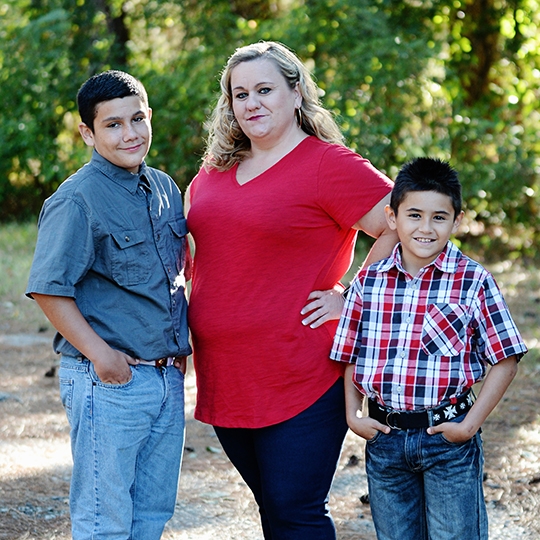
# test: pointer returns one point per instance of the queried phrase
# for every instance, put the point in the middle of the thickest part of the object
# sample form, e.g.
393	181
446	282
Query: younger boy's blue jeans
127	443
423	487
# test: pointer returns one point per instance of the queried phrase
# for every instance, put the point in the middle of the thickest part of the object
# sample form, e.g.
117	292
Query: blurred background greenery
456	79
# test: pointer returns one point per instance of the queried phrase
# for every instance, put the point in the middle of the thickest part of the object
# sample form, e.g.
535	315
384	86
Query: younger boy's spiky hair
427	174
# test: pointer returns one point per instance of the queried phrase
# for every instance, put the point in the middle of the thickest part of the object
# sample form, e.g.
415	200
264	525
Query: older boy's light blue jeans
422	487
127	442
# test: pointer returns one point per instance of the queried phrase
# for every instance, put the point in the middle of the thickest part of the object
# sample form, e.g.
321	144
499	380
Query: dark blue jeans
423	487
290	466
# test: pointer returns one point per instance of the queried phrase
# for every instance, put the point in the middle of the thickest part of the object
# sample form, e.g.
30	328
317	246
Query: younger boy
419	329
108	272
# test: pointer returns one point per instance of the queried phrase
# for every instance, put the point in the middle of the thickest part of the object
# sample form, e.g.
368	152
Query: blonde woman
274	213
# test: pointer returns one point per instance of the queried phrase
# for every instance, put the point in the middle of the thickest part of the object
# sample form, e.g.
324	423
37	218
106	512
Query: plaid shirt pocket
444	329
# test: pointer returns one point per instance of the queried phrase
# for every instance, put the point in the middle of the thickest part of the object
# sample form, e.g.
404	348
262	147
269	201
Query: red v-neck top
260	249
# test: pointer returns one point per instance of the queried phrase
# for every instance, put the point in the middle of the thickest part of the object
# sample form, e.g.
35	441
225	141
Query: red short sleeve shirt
261	248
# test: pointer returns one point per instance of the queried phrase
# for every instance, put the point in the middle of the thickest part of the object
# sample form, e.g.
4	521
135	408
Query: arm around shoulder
374	224
187	200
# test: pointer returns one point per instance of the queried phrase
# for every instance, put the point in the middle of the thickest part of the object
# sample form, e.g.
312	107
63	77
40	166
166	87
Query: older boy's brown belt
420	419
160	362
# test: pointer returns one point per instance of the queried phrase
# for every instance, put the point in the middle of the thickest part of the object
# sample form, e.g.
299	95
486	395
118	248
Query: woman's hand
322	306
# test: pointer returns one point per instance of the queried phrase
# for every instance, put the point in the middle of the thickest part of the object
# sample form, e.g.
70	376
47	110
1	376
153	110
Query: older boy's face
122	132
424	223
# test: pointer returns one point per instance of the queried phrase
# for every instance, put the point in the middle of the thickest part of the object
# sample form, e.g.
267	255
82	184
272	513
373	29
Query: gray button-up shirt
115	242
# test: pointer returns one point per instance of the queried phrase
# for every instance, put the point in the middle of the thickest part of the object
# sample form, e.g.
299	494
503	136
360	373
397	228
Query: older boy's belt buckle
160	362
421	419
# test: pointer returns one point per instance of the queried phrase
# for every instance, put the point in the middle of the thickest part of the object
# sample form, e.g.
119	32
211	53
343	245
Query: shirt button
126	238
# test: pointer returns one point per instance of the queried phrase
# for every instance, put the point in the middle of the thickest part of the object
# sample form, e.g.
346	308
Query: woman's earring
298	115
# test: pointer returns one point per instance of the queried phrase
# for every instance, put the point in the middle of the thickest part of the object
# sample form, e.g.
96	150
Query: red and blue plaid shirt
418	341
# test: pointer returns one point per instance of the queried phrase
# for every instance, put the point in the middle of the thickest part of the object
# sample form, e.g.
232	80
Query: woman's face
263	103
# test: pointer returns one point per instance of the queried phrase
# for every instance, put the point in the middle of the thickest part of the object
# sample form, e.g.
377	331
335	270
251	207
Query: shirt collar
122	177
447	261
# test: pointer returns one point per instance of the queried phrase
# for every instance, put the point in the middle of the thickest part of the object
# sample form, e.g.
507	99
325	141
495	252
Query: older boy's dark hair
427	174
104	87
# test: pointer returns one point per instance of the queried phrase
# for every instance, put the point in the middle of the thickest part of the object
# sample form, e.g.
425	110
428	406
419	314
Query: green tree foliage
492	83
457	79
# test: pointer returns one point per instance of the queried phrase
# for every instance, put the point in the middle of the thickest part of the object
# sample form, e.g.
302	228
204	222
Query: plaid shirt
419	341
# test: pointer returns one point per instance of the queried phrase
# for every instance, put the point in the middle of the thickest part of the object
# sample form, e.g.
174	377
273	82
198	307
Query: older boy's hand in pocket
114	367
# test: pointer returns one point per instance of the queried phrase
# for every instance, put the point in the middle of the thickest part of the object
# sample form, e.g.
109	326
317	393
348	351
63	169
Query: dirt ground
213	503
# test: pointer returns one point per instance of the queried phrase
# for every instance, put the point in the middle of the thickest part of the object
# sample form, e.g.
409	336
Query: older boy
108	272
419	329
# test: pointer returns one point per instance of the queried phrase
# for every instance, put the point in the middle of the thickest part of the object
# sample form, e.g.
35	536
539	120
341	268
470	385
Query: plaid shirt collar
447	261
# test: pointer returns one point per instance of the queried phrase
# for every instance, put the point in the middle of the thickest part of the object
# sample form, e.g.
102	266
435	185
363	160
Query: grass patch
18	313
16	250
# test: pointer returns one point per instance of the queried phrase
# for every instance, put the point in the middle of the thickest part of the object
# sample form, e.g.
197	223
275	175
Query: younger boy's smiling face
122	132
425	221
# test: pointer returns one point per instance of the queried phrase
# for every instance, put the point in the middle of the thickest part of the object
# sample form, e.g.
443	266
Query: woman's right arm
326	305
187	200
187	206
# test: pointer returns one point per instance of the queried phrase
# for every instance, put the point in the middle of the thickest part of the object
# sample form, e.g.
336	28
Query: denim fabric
423	487
290	466
127	442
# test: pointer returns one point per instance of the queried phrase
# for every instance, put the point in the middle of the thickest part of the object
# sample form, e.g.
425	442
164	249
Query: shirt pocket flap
126	239
179	227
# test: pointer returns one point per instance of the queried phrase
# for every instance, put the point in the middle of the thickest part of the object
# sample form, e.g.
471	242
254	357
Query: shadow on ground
213	503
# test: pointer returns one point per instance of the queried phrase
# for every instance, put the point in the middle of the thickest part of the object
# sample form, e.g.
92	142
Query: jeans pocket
97	381
456	420
445	440
66	395
375	438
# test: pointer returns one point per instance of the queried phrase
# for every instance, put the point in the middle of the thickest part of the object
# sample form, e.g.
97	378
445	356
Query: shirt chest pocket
130	258
444	331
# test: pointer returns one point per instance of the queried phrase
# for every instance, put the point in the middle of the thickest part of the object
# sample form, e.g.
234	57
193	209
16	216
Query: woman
274	214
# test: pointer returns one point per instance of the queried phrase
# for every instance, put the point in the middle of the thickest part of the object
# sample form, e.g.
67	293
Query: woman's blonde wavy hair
227	144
